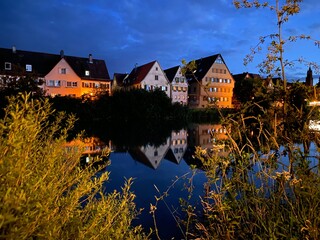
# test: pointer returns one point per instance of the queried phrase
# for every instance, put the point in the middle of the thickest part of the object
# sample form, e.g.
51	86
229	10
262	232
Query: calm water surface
156	163
156	167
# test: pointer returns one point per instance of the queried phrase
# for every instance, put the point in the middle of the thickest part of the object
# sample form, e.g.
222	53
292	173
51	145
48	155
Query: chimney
62	54
90	58
14	49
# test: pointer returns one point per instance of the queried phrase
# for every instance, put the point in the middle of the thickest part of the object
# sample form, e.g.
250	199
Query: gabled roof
203	65
97	68
139	73
245	75
171	72
119	78
43	63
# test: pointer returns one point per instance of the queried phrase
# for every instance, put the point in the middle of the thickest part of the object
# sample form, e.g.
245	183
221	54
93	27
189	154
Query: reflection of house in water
90	145
178	146
208	136
150	155
205	135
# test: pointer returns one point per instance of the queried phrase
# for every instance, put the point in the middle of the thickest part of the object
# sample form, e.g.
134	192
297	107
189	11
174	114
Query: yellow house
210	83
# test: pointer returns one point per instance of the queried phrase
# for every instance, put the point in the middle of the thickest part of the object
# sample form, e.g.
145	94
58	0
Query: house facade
149	76
179	85
210	83
61	75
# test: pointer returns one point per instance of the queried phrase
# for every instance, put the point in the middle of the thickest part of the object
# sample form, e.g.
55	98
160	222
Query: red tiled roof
139	73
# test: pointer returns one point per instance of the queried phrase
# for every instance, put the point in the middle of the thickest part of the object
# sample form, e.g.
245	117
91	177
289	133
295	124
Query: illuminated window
28	67
87	73
7	66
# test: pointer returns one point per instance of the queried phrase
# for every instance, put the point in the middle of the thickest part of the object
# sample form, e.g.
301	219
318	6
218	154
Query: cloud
126	32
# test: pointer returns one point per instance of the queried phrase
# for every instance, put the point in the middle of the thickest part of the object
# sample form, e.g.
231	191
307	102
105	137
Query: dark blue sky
126	32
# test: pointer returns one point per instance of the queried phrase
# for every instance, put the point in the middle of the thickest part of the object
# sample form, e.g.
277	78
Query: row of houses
210	83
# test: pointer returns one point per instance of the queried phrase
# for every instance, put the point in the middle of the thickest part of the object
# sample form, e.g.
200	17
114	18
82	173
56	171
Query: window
96	85
54	83
57	83
74	84
87	73
156	77
224	71
7	66
69	84
28	67
177	79
155	153
63	71
50	83
156	68
218	60
147	87
85	84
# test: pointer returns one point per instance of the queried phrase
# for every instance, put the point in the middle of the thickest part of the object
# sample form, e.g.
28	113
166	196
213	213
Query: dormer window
87	73
28	67
7	66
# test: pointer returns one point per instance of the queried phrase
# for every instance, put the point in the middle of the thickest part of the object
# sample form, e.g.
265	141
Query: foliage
266	186
275	62
254	195
44	192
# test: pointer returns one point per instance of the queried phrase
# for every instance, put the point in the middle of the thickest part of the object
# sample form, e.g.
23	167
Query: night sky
129	32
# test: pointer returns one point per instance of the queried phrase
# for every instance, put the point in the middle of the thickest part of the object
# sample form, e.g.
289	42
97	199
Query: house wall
179	89
215	89
93	87
156	78
62	82
218	86
179	143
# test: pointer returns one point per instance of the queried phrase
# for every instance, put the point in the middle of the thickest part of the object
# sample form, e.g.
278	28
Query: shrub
44	192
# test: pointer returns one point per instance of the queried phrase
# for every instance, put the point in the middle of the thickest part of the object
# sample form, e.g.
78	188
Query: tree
275	62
